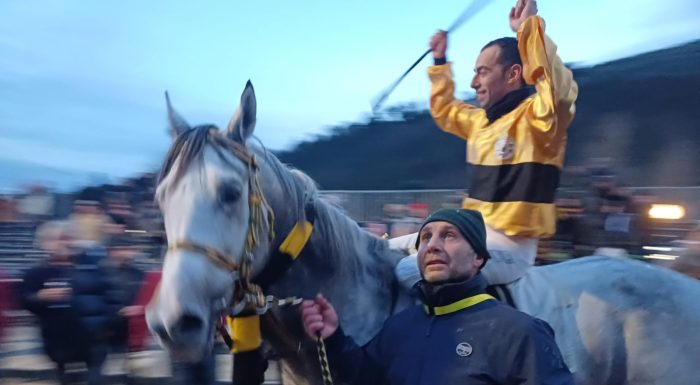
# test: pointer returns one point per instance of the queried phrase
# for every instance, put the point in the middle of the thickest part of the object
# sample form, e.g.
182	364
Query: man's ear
514	74
479	260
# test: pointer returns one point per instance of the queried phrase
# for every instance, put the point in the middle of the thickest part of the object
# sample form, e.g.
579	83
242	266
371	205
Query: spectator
7	209
126	281
47	292
70	296
121	213
37	206
90	223
97	308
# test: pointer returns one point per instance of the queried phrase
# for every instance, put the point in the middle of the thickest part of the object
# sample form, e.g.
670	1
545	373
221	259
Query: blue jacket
63	340
94	296
459	336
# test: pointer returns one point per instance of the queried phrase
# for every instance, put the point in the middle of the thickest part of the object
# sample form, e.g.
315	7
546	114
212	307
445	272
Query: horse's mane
298	190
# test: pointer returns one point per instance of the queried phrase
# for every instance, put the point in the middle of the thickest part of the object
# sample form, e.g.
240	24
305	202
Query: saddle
501	293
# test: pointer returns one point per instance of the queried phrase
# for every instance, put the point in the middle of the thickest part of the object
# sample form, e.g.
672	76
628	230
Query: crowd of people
79	285
86	291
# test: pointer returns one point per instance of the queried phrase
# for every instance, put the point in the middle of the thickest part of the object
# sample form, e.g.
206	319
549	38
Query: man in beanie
458	335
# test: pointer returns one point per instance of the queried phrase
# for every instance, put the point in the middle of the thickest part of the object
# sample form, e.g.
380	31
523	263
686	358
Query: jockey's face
444	254
492	80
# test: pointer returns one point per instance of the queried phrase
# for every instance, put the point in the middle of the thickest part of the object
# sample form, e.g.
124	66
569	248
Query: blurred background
83	132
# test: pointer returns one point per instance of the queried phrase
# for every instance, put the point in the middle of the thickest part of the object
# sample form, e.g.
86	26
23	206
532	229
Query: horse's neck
337	228
338	243
349	266
339	246
361	283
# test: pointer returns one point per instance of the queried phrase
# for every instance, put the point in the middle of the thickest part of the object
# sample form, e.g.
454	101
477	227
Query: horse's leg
587	329
604	357
662	347
295	357
288	377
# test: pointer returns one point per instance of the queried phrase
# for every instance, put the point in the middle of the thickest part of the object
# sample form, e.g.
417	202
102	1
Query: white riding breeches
510	258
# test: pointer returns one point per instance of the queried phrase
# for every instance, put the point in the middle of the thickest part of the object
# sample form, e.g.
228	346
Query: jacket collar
449	297
508	103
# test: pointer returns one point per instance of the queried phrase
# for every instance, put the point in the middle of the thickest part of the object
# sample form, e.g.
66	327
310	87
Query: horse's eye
229	194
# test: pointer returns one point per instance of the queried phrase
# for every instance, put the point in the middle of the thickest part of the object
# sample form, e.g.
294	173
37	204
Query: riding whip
468	13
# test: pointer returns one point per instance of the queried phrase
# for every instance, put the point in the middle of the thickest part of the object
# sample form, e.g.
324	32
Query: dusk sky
82	82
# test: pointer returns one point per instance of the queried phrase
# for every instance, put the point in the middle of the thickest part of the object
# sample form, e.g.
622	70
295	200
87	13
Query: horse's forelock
187	147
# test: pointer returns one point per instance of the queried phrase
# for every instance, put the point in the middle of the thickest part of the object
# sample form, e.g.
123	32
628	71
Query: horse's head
216	220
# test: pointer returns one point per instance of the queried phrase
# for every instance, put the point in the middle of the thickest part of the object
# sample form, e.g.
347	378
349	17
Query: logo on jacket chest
504	148
463	349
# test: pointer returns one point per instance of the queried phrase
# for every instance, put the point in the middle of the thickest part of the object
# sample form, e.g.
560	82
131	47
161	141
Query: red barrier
8	301
138	329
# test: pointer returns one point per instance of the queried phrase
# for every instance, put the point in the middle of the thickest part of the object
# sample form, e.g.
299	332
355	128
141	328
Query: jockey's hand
522	10
438	44
318	315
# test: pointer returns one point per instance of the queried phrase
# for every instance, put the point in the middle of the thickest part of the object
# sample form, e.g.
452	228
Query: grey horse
617	321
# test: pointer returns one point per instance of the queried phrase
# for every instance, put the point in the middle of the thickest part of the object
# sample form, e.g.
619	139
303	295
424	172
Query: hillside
643	112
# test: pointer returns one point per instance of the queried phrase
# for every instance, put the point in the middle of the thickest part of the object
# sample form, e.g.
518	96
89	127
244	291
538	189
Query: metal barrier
368	205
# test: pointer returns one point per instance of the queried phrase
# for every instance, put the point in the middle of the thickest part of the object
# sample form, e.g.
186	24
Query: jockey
516	140
458	335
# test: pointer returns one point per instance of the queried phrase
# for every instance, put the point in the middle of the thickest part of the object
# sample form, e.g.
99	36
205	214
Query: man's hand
131	311
438	44
318	315
54	294
522	10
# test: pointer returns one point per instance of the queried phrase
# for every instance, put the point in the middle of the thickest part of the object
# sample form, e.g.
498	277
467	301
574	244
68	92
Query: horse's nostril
190	324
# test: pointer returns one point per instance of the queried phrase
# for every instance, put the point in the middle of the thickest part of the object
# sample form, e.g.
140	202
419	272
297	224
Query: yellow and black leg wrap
245	333
249	364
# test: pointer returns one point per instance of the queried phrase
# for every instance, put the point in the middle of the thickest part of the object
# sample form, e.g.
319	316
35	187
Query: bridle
248	297
249	294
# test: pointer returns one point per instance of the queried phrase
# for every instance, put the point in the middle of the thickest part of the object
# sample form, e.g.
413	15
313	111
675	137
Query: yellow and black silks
516	160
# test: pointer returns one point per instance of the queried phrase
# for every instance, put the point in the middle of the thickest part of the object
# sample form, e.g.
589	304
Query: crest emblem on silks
463	349
504	147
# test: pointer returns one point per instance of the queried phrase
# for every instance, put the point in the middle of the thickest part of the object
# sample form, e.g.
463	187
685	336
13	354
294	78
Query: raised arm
450	114
556	89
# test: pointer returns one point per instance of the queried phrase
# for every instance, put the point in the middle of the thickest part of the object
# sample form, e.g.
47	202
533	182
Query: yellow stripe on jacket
517	158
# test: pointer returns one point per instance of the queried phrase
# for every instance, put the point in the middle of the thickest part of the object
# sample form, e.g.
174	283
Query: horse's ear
177	124
242	123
